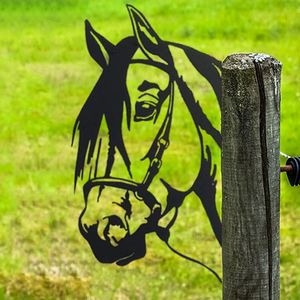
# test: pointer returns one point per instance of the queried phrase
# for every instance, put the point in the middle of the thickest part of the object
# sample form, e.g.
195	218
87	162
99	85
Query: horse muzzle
120	230
110	202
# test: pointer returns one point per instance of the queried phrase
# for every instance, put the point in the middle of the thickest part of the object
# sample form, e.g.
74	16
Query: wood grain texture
250	176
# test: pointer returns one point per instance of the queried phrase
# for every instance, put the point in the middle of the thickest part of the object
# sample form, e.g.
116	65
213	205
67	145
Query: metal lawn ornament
122	177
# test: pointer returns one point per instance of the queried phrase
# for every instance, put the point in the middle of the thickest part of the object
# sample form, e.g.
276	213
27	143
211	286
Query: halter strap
162	142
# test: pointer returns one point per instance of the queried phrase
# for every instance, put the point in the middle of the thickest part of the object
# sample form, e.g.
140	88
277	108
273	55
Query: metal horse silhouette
118	179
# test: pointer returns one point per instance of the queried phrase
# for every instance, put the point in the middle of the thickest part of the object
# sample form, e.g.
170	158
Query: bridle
159	145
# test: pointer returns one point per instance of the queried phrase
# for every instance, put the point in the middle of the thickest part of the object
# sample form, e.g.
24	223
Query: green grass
46	75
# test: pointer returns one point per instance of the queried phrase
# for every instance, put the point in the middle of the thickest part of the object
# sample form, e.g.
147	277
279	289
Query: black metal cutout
111	237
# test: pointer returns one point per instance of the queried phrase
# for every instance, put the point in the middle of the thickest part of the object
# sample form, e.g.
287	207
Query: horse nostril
115	220
115	230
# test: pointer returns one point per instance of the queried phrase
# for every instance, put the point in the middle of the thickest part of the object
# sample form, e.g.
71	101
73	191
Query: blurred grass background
46	75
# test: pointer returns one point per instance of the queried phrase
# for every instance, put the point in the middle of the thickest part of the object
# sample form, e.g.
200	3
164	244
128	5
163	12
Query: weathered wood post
250	176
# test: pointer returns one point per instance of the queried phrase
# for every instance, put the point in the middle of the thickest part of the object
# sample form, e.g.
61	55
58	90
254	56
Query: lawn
46	75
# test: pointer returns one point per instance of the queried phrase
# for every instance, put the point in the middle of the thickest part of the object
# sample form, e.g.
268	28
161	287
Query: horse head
128	190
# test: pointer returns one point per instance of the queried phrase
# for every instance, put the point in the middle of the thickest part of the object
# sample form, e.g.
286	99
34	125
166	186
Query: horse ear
150	43
98	46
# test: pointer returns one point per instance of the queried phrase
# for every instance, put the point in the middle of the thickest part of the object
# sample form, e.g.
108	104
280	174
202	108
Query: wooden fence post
250	176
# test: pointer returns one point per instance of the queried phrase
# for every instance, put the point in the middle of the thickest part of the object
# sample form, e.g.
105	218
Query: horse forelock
106	100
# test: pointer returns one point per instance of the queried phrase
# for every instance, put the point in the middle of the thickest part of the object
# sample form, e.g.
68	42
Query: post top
246	60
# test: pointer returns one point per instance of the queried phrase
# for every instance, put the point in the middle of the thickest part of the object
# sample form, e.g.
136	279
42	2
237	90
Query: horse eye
144	111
